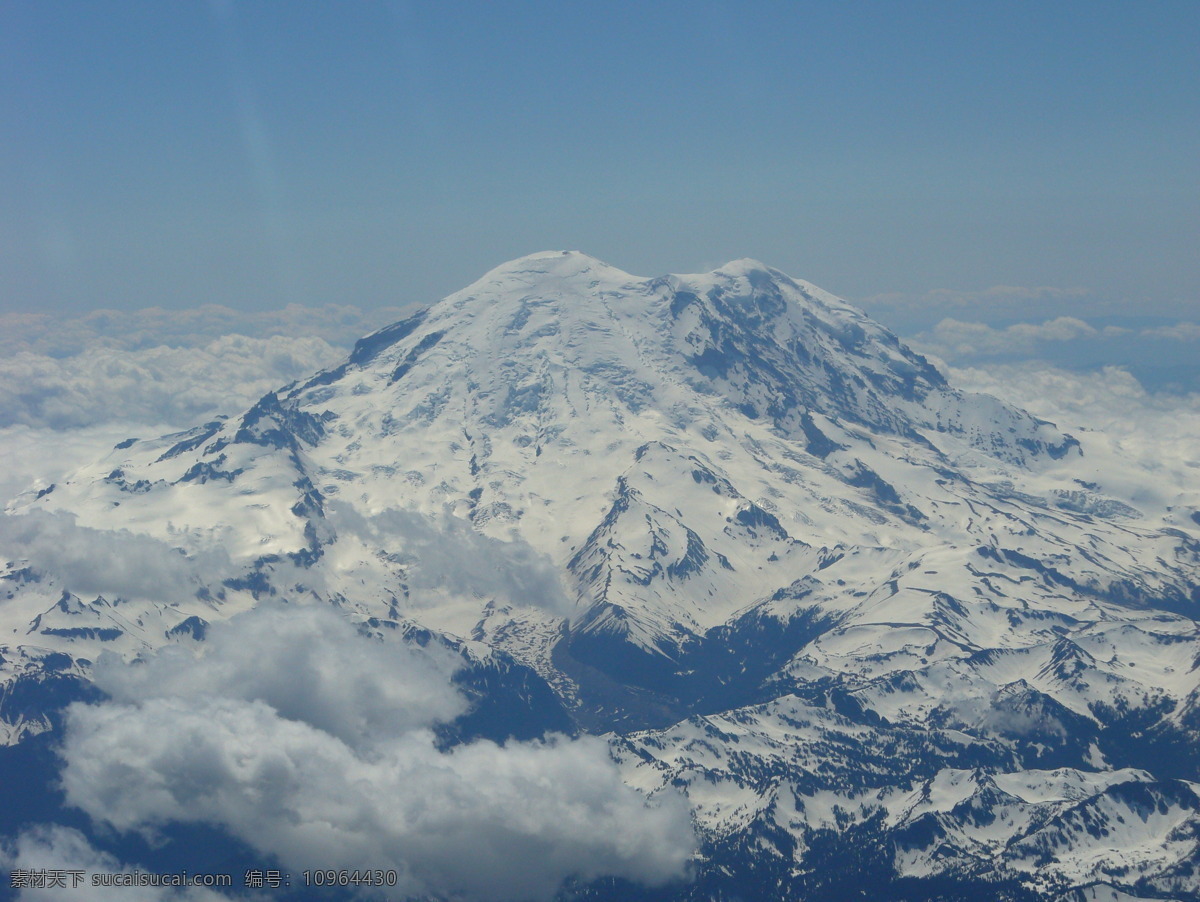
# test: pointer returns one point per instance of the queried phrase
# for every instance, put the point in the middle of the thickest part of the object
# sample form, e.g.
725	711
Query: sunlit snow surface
726	511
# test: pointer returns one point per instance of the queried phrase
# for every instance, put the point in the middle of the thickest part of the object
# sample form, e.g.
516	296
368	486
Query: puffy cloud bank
912	312
1108	400
312	743
307	664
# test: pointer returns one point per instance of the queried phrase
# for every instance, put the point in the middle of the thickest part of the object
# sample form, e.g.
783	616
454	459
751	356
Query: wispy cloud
447	553
114	563
36	457
1020	314
1177	332
307	664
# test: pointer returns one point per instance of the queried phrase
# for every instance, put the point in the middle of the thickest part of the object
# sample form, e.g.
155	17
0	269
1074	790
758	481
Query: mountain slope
687	504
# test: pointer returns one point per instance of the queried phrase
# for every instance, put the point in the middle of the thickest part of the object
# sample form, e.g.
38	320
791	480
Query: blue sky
258	154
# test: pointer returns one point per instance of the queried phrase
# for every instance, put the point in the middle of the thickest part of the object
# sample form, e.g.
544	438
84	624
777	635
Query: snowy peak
681	450
836	602
563	325
553	264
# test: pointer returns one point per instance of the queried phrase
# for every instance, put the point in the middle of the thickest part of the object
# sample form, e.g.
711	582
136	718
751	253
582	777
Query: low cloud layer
1005	296
910	313
307	664
156	366
35	458
1072	327
955	340
61	336
449	555
1162	357
335	766
1140	445
107	562
913	312
1109	399
177	386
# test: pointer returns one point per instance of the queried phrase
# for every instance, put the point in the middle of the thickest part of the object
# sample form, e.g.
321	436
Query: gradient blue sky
256	154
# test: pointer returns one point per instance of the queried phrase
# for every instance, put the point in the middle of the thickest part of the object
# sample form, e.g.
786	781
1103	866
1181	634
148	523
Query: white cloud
448	554
1108	399
1064	328
179	386
957	341
66	336
39	457
165	366
61	849
307	664
286	733
107	562
1141	446
911	312
1177	332
954	339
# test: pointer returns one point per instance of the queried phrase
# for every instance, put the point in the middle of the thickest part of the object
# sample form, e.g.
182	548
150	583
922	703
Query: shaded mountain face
726	516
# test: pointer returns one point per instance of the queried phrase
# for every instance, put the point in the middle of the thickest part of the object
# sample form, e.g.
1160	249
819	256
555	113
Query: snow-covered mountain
726	518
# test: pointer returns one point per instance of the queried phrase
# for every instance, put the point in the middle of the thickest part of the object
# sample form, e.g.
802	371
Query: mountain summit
725	509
